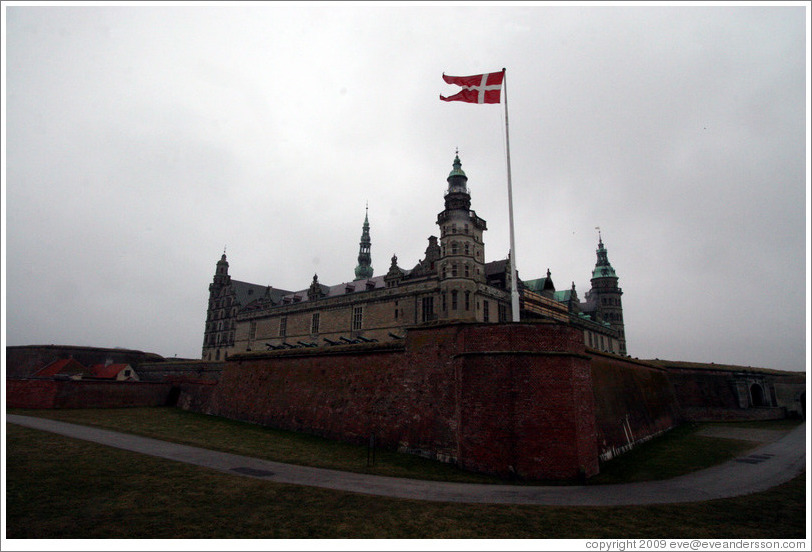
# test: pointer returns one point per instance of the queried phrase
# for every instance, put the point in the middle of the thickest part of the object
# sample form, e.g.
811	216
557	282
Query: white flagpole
514	291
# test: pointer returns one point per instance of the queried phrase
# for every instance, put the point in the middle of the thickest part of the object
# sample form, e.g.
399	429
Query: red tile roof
110	371
61	366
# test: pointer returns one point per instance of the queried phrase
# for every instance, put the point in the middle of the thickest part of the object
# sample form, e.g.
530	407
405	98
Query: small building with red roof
64	367
118	372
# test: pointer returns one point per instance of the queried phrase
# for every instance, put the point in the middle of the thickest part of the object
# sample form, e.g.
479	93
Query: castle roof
246	292
366	284
495	267
563	295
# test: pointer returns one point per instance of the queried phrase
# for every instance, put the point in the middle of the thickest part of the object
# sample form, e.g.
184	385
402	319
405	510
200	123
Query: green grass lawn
64	488
677	452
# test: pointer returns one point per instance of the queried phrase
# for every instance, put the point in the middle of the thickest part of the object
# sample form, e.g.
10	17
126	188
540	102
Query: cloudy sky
142	141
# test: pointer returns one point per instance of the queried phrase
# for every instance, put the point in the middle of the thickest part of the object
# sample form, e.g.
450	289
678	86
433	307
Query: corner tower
606	294
364	269
216	314
462	250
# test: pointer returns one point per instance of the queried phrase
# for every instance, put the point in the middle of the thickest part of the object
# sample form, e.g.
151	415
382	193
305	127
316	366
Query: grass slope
64	488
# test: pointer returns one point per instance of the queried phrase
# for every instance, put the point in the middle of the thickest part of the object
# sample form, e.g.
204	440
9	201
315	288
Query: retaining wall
633	402
34	393
507	399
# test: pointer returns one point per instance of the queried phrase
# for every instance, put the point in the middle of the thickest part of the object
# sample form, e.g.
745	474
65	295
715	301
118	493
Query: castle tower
221	276
462	251
216	324
364	268
606	294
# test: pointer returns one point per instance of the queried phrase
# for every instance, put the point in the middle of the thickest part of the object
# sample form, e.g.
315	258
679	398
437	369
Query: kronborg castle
423	360
452	282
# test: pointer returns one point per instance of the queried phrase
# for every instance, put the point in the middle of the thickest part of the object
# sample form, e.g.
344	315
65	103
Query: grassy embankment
65	488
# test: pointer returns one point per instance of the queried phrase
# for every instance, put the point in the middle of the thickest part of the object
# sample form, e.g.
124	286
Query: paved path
742	433
760	470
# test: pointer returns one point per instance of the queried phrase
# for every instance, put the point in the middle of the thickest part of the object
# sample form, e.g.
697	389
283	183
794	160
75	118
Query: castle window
453	270
485	311
467	251
466	228
502	313
396	310
454	300
467	270
454	248
357	318
252	332
445	303
467	300
453	228
283	326
428	308
445	271
314	323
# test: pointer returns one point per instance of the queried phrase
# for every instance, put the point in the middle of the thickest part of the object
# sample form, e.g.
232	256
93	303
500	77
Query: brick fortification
50	393
507	399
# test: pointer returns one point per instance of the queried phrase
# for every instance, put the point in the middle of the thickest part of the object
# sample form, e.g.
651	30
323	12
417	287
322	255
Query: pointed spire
363	270
603	269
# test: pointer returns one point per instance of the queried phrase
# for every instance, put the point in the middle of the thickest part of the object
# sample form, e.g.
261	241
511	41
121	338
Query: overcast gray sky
141	141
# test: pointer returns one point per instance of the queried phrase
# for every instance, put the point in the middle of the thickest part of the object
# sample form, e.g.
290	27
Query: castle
451	283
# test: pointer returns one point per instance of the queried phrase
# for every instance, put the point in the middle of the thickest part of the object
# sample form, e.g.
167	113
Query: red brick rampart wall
498	398
33	393
633	402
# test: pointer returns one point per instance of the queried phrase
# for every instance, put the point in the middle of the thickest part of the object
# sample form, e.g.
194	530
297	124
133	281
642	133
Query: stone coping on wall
631	360
727	368
347	349
522	353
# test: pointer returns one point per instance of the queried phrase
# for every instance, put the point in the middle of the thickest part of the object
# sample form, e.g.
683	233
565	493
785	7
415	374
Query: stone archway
757	395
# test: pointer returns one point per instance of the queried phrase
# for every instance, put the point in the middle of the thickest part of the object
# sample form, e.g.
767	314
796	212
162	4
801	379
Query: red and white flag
486	88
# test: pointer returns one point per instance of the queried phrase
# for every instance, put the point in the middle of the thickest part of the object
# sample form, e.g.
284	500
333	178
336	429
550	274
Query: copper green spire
457	180
364	268
602	267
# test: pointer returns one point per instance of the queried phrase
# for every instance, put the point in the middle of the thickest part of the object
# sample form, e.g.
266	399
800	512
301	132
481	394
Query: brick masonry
525	400
34	393
508	399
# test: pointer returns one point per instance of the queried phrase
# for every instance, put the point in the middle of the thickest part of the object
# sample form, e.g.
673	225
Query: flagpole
514	291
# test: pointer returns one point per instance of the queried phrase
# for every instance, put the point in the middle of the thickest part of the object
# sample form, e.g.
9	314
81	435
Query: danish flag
485	88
